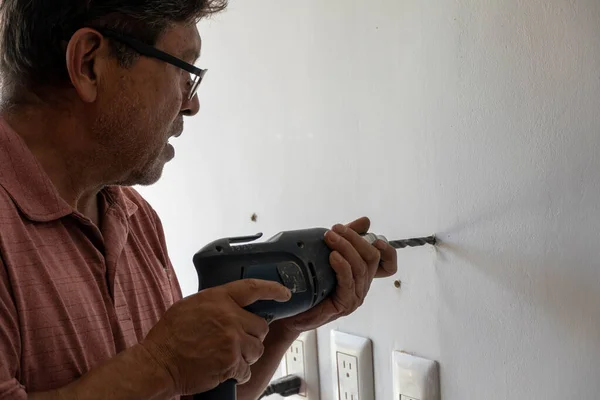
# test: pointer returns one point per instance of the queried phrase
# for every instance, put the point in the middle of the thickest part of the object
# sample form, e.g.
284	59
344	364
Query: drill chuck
372	238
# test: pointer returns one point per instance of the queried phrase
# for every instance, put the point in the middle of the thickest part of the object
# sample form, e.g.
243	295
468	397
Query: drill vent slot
313	277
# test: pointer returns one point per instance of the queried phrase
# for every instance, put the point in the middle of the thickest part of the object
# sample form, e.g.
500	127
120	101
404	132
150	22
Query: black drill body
297	259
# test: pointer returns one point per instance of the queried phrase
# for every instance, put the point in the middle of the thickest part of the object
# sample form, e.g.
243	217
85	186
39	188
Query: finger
340	303
345	294
247	291
243	373
360	225
389	260
317	316
252	349
254	325
367	251
349	253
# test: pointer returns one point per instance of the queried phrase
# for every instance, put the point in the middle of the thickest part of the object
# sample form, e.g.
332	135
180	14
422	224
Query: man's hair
34	33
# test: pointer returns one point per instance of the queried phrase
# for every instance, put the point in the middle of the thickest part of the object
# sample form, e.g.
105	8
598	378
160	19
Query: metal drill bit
416	242
400	244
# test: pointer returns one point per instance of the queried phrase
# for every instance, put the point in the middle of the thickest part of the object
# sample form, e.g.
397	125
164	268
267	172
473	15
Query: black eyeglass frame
151	51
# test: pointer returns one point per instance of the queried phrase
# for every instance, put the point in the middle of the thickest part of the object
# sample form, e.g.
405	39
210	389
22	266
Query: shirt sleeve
10	342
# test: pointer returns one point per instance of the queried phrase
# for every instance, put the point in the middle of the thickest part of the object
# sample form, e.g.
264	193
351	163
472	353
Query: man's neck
58	147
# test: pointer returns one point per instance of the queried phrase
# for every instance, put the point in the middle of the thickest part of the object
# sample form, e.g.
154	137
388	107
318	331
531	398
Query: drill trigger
245	239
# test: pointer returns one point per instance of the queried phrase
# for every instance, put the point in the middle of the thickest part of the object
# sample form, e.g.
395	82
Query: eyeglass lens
196	79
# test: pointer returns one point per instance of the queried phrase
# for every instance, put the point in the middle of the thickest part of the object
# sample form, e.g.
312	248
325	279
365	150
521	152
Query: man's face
140	108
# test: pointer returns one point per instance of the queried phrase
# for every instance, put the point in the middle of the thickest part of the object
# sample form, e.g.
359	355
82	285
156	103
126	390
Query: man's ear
86	58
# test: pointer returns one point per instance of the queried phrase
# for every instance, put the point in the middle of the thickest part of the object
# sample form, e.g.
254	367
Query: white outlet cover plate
361	348
415	378
307	341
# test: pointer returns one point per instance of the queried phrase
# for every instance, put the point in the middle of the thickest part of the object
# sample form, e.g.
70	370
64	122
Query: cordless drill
298	259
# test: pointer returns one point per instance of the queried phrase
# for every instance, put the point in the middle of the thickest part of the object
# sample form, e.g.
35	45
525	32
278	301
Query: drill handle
225	391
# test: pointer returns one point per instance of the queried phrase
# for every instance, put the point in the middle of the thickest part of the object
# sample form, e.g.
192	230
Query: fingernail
333	237
339	228
336	257
380	244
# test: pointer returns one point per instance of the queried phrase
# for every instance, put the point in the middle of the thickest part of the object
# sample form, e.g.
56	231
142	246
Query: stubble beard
124	154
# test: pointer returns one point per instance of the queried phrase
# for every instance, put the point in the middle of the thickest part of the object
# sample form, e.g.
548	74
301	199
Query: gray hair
33	33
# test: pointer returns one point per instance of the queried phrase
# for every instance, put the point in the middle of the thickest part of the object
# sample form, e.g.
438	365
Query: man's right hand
208	338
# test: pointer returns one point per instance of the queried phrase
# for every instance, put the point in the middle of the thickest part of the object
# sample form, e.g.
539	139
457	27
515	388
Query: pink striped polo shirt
72	295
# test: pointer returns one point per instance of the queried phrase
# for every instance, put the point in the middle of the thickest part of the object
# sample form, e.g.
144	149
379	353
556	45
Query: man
90	307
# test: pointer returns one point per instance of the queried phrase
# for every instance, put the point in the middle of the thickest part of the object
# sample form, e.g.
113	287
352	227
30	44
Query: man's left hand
356	264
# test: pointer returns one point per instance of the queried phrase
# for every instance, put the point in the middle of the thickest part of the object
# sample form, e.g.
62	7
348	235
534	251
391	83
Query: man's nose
191	107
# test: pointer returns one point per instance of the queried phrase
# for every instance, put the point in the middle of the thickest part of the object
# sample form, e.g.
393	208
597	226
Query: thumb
247	291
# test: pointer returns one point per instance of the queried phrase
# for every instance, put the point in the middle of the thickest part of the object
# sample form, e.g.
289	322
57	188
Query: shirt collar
26	182
116	196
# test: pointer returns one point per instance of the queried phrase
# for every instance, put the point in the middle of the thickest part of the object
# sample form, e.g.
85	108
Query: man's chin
152	173
169	152
148	177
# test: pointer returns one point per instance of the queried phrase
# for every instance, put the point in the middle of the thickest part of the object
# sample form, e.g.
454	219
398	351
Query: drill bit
400	244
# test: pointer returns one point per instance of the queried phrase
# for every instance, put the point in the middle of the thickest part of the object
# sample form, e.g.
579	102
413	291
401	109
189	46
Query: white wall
476	120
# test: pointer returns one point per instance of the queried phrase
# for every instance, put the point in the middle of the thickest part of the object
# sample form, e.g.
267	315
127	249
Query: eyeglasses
151	51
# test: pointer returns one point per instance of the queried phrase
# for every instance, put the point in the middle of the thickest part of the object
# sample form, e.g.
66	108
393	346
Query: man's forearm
276	343
131	375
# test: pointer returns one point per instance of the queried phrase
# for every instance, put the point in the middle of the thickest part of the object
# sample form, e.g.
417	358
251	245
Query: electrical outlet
301	359
294	363
347	369
352	366
415	378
